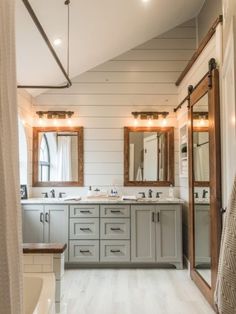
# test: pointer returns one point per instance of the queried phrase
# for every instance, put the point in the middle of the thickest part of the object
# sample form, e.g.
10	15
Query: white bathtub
39	293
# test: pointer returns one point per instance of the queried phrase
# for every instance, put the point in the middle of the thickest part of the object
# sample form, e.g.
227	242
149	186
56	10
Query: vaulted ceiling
99	31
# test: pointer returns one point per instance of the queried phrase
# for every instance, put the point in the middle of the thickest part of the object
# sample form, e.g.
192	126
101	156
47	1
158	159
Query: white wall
141	79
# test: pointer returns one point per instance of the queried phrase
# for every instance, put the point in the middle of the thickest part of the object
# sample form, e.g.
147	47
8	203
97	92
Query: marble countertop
102	200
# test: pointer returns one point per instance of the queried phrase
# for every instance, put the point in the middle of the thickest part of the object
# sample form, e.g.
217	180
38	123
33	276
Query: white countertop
102	200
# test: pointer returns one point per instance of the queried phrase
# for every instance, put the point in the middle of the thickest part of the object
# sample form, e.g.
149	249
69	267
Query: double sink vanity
108	231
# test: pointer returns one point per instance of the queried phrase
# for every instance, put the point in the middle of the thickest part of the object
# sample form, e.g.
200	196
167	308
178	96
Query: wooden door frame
208	85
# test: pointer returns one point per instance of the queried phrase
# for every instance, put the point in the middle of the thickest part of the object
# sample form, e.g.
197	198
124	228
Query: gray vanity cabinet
45	224
156	234
33	224
169	234
142	233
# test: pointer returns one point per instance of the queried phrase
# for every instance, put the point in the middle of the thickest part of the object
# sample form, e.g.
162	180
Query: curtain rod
50	47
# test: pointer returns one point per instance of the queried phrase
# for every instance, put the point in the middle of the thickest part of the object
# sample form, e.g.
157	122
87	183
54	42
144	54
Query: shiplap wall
104	97
198	70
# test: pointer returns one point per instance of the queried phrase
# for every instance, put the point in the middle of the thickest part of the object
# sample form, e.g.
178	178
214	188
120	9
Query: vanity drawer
84	228
115	211
115	228
84	211
115	251
84	251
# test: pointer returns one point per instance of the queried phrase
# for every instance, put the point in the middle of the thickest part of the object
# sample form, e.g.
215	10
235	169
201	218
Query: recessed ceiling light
57	42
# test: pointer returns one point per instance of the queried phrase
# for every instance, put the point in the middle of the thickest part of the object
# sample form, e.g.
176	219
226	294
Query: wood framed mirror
58	156
148	156
205	182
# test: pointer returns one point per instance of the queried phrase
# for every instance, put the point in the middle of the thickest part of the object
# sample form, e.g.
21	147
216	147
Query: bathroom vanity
108	232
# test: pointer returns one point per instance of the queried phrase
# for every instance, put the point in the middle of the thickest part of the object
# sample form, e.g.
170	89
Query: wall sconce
150	116
201	118
55	114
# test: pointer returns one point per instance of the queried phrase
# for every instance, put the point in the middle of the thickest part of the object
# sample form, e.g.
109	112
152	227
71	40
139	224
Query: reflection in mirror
148	155
58	156
201	188
201	155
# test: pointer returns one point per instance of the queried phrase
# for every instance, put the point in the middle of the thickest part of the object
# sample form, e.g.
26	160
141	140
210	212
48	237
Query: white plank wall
104	97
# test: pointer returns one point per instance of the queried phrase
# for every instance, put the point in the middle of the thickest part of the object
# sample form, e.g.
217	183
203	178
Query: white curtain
64	158
10	214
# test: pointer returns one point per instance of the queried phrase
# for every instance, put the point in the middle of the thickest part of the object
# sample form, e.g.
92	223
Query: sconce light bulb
55	122
40	121
135	121
164	122
202	122
69	121
149	121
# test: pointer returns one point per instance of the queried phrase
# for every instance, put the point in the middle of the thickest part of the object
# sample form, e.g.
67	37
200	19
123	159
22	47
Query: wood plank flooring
132	291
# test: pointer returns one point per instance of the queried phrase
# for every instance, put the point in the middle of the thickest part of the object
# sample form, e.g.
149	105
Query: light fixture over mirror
55	114
150	116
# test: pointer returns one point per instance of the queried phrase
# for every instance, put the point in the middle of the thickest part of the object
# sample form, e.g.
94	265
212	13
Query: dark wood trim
170	149
214	183
80	133
202	45
46	248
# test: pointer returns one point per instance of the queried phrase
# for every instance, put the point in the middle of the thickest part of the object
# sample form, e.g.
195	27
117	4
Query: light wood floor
132	291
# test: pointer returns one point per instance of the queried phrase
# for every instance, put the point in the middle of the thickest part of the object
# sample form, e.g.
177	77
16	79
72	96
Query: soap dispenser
171	191
90	192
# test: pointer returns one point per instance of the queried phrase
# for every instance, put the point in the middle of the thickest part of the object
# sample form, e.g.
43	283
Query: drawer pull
85	211
115	229
115	251
115	211
84	251
85	229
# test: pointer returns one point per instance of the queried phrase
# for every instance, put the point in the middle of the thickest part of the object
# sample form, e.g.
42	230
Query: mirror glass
57	156
201	188
147	151
148	154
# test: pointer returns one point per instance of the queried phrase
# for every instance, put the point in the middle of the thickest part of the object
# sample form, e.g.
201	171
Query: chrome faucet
53	194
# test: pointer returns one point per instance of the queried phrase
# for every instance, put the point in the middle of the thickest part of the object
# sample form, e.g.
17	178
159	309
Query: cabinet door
56	225
169	233
142	233
33	223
